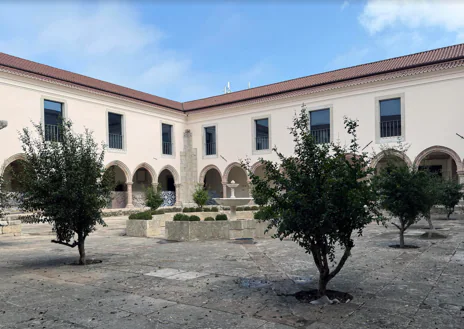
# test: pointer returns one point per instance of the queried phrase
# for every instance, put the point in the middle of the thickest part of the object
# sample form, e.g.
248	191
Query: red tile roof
338	77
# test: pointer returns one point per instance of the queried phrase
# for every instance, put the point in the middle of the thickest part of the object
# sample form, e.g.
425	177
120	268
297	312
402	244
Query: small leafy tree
432	196
200	196
451	194
3	197
318	197
64	183
403	193
154	199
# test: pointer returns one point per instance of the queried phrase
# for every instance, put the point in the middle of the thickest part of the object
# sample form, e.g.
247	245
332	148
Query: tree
318	197
403	193
451	194
3	197
154	198
432	196
64	183
200	196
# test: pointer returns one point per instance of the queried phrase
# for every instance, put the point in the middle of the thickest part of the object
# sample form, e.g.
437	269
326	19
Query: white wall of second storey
434	113
22	103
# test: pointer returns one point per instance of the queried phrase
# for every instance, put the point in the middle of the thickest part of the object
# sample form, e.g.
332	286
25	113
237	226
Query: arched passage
144	176
440	160
11	170
381	160
234	172
211	179
168	181
121	196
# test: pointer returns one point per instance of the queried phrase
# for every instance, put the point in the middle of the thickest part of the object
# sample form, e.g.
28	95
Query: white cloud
108	41
380	15
344	5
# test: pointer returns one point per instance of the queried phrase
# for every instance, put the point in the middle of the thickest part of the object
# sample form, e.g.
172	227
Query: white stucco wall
434	112
433	105
22	103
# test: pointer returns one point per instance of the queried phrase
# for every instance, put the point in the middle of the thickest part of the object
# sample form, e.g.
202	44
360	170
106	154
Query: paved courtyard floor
149	283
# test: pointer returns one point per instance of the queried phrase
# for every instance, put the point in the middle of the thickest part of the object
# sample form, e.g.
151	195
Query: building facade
417	99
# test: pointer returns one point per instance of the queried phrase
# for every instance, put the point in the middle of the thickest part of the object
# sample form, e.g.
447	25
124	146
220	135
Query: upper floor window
53	113
262	134
390	117
210	140
320	125
166	131
115	136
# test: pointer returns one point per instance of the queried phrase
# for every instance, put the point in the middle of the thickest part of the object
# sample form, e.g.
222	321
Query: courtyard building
152	141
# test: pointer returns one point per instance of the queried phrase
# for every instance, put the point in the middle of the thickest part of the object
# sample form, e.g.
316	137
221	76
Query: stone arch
10	160
382	155
255	166
123	167
173	171
149	168
228	169
439	149
205	170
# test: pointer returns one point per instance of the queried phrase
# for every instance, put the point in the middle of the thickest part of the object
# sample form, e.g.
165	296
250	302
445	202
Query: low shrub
214	209
157	212
181	218
209	219
187	209
194	218
247	208
254	208
221	217
198	209
257	215
145	215
240	209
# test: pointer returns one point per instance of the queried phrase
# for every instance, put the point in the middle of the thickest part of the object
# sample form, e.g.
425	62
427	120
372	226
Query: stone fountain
232	202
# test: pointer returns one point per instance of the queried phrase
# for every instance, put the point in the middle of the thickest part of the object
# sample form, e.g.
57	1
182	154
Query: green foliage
189	209
450	195
214	209
64	183
146	215
405	193
209	219
258	216
254	208
198	209
194	218
181	218
200	196
3	198
317	197
157	212
221	217
247	208
154	199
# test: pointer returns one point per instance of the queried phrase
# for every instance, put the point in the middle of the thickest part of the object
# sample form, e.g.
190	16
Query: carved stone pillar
129	195
224	189
178	201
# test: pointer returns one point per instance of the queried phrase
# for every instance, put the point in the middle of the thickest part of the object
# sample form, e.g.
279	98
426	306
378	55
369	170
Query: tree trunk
401	238
429	220
81	247
323	281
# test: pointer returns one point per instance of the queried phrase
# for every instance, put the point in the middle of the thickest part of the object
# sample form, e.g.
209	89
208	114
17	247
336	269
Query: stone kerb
143	228
194	231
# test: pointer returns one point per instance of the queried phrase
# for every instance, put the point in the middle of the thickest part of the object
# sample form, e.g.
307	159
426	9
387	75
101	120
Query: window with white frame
210	140
320	125
390	117
261	134
115	129
166	134
53	114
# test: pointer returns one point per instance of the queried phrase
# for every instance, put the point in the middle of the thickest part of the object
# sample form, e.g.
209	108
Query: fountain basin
232	203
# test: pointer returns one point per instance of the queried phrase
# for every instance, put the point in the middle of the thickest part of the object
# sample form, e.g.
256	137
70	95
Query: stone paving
149	283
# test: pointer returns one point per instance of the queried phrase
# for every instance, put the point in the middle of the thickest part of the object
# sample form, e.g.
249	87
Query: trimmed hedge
145	215
181	218
209	219
221	217
214	209
157	212
194	218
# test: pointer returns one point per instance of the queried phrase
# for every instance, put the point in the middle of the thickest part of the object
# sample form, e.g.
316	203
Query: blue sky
187	50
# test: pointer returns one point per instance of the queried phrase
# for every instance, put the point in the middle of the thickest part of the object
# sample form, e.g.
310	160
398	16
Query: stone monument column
178	191
188	171
129	195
